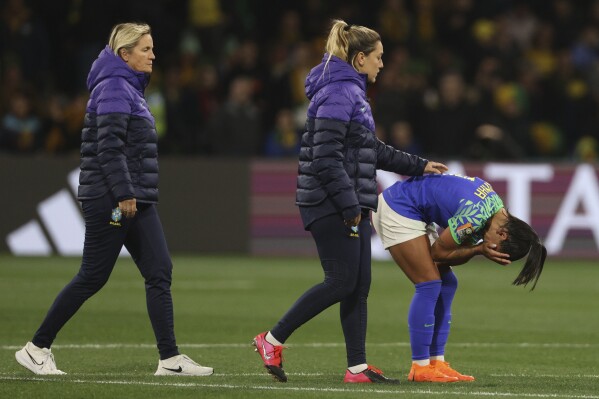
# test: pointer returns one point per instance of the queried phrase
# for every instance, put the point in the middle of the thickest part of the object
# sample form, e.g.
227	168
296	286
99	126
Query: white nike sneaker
182	365
37	360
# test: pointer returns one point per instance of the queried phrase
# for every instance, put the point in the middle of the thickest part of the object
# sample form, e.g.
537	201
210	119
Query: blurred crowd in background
463	79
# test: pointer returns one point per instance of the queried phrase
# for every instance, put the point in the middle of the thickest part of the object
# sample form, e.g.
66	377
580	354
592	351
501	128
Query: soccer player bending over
475	222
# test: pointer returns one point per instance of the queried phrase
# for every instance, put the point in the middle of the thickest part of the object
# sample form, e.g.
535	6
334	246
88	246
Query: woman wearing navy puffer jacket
119	177
336	190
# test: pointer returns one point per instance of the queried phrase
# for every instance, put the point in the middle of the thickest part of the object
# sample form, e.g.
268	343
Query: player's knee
449	280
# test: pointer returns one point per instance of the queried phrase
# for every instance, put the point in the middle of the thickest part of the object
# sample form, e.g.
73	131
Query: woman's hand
435	167
128	207
490	252
354	222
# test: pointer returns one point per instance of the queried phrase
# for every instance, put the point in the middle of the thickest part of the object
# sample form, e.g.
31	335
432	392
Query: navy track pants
104	237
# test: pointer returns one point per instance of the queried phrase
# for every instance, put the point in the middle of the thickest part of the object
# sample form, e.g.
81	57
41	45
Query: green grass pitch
518	344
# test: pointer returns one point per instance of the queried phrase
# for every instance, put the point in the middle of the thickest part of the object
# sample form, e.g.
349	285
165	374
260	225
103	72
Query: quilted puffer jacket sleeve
328	164
403	163
112	136
328	153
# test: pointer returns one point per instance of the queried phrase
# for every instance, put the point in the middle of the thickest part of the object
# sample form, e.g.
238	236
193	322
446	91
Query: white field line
215	375
298	389
299	374
547	375
553	345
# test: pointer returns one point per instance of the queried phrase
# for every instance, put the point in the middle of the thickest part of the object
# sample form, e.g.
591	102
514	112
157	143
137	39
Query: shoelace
448	367
49	364
444	364
376	370
278	351
189	360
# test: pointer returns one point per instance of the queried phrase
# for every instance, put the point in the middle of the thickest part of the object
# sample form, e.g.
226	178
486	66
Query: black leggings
345	258
144	239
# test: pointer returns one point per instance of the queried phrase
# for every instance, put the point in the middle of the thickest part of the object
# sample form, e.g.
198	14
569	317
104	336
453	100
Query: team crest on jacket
354	232
116	217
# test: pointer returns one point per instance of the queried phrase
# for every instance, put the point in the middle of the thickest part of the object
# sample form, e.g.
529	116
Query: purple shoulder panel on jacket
337	91
116	88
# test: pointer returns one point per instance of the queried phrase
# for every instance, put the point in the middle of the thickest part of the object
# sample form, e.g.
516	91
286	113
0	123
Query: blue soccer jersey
461	203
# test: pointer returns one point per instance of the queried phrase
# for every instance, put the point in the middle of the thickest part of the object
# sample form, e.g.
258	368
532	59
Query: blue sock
421	318
449	286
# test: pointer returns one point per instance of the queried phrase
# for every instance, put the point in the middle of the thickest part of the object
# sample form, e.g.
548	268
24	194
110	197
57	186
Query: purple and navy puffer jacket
340	153
119	154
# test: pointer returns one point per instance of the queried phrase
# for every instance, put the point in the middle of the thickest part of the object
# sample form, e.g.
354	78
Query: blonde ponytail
337	43
346	41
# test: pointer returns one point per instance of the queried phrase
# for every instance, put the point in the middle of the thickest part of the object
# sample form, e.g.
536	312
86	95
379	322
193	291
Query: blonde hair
346	41
127	35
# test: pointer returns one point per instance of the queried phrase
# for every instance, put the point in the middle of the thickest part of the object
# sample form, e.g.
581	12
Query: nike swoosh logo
264	351
33	360
429	325
180	369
